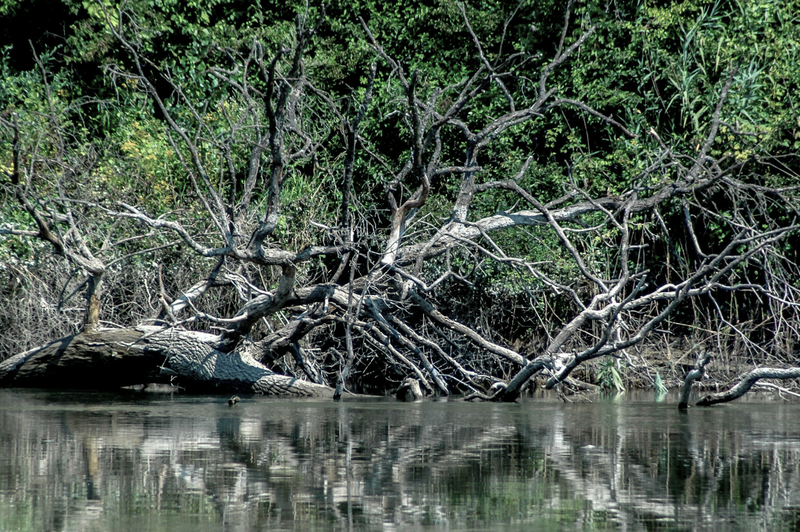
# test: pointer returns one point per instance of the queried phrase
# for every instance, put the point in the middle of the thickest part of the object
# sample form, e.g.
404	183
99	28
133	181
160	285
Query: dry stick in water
696	374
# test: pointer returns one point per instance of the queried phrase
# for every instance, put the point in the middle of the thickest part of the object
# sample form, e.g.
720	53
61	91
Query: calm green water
111	462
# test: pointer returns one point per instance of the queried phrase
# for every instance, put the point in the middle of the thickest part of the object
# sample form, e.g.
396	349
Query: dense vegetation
465	193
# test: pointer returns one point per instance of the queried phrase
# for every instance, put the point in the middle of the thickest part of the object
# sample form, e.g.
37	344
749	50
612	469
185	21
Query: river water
161	462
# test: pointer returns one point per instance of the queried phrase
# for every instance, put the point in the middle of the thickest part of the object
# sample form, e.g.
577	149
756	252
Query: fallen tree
373	281
114	358
747	381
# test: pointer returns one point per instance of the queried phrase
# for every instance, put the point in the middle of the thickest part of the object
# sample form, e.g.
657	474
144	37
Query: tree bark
113	358
91	359
747	382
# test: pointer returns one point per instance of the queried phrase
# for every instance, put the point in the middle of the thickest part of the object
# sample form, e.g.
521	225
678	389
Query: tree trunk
112	358
91	359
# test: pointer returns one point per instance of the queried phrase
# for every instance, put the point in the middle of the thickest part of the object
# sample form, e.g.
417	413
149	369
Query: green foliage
660	389
650	64
608	375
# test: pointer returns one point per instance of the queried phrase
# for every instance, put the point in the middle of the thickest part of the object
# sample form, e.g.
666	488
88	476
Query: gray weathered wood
695	374
111	358
747	382
92	359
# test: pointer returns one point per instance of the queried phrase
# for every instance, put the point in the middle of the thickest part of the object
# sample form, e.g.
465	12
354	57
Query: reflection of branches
303	459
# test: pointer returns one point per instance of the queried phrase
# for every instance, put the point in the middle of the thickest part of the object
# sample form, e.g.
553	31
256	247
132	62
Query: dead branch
746	382
695	374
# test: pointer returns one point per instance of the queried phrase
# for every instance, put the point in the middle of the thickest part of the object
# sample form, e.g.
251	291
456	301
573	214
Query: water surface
153	462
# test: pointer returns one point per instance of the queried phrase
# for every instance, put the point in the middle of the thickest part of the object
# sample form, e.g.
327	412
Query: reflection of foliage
310	466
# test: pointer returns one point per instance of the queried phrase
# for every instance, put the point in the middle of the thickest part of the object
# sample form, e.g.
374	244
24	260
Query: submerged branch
694	375
747	381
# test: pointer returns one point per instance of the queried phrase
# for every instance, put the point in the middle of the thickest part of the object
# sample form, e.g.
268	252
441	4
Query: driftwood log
112	358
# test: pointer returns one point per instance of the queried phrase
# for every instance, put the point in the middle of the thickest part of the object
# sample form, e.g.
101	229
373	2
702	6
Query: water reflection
143	462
